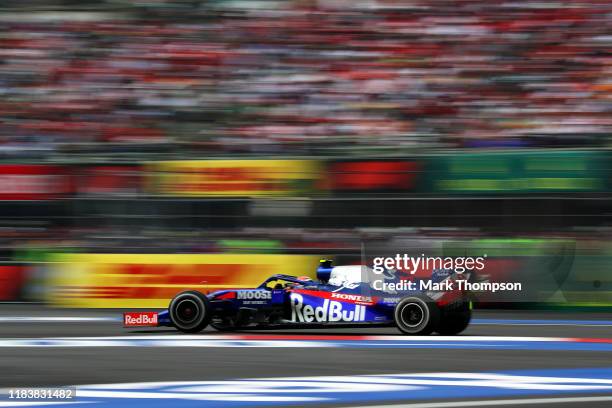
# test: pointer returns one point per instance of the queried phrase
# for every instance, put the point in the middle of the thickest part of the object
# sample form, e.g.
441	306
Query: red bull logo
139	319
329	311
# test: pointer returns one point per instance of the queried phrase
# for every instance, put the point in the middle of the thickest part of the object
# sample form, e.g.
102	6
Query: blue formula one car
340	298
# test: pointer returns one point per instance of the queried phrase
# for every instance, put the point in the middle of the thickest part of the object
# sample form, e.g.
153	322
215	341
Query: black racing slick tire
454	319
190	311
417	315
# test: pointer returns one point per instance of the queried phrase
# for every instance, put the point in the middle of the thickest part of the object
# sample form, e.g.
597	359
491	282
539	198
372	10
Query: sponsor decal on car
329	311
253	295
352	298
338	296
139	319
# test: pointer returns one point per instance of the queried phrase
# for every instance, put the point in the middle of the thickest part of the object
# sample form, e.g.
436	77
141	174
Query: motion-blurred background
151	146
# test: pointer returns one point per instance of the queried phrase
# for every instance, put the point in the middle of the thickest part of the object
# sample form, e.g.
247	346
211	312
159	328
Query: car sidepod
320	306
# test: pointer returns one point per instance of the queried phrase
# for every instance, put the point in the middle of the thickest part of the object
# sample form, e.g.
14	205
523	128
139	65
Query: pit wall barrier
448	174
151	280
233	178
517	172
508	172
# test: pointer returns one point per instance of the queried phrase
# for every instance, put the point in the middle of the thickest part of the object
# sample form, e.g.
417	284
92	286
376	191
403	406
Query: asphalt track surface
25	366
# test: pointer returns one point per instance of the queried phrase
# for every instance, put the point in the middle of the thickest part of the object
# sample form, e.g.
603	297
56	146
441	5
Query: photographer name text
447	285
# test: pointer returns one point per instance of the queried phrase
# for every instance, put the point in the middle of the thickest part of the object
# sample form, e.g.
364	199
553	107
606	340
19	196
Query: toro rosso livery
339	297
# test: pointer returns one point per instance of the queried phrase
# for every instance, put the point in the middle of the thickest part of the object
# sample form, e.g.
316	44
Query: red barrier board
12	278
372	175
110	180
34	182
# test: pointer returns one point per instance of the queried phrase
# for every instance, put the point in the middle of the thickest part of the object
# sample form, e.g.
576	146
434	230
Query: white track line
305	336
491	403
55	319
542	324
272	341
467	338
38	403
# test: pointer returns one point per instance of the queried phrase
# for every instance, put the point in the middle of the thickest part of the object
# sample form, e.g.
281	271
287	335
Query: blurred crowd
308	77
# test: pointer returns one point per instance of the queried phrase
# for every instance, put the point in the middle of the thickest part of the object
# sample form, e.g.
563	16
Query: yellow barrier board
233	178
151	280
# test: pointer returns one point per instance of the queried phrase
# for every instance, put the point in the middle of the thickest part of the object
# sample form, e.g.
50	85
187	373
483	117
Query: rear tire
455	320
417	315
190	311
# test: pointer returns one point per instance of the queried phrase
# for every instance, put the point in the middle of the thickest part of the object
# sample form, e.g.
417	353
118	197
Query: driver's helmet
305	278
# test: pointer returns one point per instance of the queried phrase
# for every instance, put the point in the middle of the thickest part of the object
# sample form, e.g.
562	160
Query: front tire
417	315
190	311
